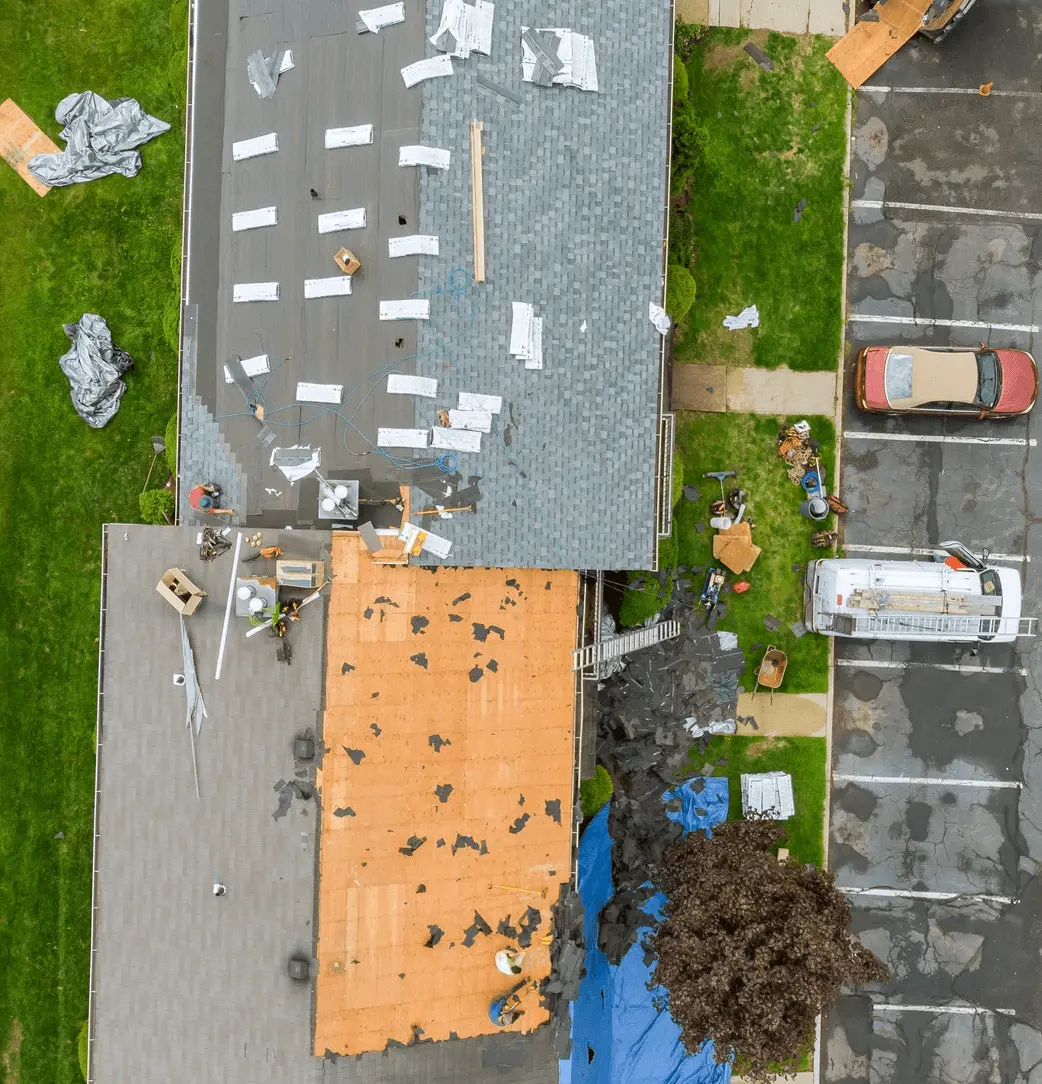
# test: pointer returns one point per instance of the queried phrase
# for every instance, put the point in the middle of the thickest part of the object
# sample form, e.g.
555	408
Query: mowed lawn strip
110	247
774	138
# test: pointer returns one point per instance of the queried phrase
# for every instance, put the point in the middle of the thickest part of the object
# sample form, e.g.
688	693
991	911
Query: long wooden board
20	139
876	37
477	197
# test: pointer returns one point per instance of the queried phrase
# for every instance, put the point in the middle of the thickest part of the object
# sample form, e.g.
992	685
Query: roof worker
204	497
506	1010
510	960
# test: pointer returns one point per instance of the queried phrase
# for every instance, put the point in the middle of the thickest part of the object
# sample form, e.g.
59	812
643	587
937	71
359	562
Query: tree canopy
751	948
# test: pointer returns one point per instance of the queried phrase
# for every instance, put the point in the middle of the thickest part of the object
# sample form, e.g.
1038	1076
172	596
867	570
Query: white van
916	599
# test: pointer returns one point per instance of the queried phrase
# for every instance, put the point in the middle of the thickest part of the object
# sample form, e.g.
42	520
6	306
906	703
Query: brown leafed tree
752	949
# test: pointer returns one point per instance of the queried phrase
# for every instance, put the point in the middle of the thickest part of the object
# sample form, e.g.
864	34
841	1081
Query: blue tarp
614	1018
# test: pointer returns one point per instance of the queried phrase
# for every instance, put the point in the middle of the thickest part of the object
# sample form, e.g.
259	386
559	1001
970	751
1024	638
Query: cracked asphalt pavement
936	804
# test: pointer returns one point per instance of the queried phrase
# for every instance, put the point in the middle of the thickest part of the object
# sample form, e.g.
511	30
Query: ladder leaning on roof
602	650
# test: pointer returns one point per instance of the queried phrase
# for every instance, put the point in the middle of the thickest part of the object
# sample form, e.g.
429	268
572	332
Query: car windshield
989	379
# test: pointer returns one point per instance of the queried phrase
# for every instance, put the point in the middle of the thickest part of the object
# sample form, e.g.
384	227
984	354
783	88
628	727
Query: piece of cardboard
876	38
20	140
734	548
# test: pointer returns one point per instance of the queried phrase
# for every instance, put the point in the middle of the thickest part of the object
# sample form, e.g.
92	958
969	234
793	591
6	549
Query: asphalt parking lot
936	808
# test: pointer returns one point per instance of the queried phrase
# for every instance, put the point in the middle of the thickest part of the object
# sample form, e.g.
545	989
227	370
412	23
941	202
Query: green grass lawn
768	140
803	758
110	247
747	443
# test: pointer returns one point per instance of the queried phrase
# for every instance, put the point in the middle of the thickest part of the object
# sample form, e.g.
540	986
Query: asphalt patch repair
435	805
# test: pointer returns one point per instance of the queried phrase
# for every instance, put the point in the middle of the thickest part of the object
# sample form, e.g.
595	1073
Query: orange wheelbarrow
772	670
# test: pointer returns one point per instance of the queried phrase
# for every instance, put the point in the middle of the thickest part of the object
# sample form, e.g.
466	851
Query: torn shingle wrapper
431	68
418	155
658	316
464	28
558	58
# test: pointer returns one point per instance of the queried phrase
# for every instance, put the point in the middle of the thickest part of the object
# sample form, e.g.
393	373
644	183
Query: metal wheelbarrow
772	670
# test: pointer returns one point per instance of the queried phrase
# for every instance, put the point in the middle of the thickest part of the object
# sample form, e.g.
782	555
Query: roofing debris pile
264	71
670	698
100	136
567	967
558	58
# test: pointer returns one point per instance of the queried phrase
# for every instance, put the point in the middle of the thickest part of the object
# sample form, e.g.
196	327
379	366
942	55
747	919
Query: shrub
595	791
681	237
680	80
685	37
678	478
172	320
680	292
690	146
170	436
156	506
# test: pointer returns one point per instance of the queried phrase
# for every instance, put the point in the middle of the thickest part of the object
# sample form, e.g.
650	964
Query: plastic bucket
817	508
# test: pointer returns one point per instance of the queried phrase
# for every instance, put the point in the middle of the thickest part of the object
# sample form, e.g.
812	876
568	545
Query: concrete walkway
788	16
790	715
718	388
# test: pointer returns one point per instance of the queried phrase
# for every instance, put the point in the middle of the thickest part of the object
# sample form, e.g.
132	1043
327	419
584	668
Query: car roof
938	376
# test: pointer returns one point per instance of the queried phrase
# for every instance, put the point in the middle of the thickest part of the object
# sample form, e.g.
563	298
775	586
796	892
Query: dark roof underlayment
574	221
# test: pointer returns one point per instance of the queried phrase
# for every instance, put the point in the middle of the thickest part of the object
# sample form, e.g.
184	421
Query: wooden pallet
20	139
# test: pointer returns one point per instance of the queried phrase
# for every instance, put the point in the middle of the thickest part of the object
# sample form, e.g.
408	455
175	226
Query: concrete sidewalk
719	388
789	16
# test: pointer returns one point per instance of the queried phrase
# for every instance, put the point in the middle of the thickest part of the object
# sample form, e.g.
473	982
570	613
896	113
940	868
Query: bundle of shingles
264	71
526	335
558	58
646	716
464	28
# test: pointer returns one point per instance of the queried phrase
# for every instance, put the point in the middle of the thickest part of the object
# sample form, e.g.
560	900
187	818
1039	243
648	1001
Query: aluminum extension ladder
951	623
612	648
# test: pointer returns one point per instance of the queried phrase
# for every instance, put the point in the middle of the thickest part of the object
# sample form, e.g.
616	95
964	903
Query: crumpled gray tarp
100	137
95	368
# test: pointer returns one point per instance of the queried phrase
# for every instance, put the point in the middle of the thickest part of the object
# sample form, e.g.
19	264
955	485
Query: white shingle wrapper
353	219
431	68
417	538
287	61
417	244
521	328
456	440
375	19
358	136
469	400
403	438
255	219
410	309
464	28
480	421
319	393
251	148
334	286
536	360
399	384
418	155
255	291
257	366
658	316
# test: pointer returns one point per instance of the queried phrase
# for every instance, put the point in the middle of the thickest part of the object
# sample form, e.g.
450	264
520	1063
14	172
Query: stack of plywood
20	140
734	548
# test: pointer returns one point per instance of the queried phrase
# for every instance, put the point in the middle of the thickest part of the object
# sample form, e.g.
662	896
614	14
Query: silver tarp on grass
100	137
95	368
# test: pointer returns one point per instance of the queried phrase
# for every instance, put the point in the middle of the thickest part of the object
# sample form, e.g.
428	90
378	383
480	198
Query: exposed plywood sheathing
20	139
477	198
449	678
876	37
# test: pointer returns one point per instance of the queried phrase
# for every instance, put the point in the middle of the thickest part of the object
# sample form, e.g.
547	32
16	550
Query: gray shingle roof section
575	189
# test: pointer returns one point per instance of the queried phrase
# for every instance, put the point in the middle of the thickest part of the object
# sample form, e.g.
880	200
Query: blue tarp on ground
618	1036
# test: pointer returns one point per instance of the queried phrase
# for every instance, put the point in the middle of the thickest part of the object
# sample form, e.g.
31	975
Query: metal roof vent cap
299	968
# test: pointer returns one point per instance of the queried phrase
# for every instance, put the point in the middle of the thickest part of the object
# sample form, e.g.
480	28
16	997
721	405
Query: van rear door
968	558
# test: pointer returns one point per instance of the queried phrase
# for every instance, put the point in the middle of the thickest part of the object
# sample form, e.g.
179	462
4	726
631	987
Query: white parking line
913	438
910	894
961	1010
929	781
980	212
956	668
971	91
925	551
922	321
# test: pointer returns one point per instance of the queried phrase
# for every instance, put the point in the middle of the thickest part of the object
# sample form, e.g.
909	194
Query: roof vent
299	968
303	749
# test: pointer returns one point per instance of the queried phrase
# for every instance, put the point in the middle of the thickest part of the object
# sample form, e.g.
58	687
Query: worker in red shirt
204	497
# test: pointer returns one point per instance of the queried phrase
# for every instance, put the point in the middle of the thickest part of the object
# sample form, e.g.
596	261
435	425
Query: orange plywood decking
419	698
20	139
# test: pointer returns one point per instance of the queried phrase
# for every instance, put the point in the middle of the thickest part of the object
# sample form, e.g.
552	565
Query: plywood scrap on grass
20	140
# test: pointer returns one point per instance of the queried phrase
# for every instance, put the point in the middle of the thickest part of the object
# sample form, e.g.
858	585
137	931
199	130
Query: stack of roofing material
464	28
373	20
768	794
558	58
264	71
526	335
432	68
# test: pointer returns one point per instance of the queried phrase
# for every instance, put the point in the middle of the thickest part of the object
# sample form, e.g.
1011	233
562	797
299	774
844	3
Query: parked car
941	18
945	380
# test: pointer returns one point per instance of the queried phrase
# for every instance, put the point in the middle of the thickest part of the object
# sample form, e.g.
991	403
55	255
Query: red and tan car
983	383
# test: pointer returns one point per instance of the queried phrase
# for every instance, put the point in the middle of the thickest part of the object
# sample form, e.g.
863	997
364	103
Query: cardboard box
180	591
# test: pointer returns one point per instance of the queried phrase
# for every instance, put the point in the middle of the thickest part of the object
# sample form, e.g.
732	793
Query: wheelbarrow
772	670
